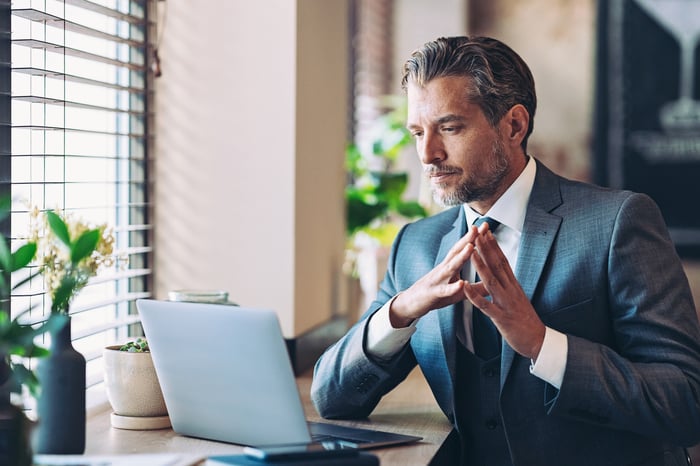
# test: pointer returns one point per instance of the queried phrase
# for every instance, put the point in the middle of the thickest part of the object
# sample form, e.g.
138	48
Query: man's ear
516	122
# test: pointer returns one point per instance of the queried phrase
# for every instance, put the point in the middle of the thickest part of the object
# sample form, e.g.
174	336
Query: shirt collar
510	208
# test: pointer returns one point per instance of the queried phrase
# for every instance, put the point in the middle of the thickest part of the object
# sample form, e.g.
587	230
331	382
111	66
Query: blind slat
57	48
55	21
109	12
77	79
53	101
77	130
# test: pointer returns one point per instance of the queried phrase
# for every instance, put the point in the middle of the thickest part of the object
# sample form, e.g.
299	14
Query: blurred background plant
375	190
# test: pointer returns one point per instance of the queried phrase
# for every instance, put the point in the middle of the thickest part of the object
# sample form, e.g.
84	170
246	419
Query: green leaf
354	162
411	209
13	385
59	227
23	256
360	213
19	338
393	185
5	207
5	255
63	294
37	352
26	377
5	265
85	245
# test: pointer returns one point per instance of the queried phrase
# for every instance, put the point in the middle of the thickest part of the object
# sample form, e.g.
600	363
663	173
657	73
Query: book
363	458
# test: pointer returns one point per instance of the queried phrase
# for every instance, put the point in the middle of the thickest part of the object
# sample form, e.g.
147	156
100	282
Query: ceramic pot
133	390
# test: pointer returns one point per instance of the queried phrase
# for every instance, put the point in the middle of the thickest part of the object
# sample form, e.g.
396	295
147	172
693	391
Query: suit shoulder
597	195
603	205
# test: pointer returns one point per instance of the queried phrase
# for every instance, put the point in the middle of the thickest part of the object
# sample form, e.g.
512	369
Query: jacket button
491	424
489	372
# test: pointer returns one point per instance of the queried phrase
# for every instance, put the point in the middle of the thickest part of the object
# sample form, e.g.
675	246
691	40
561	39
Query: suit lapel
446	315
539	230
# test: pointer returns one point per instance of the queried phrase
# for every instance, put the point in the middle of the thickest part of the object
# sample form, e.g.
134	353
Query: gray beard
474	189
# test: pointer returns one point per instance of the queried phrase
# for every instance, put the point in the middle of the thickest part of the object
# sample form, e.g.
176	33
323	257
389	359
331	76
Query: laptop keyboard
328	438
361	437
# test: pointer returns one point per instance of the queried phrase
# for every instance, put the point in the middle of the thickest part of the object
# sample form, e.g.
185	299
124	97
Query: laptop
226	375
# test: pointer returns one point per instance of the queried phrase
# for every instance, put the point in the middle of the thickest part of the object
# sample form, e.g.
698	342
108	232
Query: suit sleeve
648	380
348	383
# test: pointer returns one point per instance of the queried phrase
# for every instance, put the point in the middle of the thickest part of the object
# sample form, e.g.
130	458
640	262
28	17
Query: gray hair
500	76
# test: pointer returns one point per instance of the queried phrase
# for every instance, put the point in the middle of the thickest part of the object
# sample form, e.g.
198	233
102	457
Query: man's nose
431	149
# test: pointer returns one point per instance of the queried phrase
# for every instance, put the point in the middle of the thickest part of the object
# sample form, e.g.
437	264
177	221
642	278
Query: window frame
131	221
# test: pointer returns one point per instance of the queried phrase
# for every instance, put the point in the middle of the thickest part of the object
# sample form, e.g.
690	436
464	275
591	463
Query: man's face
463	155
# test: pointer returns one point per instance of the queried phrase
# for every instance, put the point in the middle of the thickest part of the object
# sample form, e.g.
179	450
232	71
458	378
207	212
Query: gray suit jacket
599	266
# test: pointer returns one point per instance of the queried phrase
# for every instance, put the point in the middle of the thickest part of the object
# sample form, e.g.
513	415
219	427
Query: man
598	361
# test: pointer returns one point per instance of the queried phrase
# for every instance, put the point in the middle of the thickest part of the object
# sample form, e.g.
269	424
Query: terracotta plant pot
133	390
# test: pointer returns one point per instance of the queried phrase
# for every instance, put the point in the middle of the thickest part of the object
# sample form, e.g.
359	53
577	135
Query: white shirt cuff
551	362
383	340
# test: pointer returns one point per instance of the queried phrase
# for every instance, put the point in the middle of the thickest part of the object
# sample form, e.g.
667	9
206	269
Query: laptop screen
225	372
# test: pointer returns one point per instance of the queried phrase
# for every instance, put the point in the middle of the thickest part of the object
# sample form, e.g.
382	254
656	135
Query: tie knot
493	224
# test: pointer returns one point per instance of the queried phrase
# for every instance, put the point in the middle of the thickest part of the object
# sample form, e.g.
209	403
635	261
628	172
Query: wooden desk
409	409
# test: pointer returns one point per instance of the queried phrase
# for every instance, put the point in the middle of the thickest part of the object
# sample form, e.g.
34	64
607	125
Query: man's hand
438	288
509	308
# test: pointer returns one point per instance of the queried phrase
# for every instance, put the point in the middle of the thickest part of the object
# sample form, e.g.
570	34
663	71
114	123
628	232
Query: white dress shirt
384	341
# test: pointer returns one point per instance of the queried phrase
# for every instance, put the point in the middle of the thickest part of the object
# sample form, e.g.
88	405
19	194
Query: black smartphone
334	448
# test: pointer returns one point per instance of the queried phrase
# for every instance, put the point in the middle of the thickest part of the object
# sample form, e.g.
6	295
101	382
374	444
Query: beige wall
248	169
321	122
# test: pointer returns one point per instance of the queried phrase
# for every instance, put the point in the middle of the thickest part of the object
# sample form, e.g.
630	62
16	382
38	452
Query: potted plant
132	387
69	252
374	195
17	342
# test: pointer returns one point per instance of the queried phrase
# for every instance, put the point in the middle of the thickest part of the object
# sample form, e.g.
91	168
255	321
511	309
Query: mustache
437	170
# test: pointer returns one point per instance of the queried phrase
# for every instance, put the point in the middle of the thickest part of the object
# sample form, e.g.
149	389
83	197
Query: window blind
77	90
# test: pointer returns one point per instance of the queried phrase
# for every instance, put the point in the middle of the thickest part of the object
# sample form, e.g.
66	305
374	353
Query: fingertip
466	288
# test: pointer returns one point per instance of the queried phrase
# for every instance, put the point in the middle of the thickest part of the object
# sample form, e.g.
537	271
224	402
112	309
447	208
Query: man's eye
449	129
416	134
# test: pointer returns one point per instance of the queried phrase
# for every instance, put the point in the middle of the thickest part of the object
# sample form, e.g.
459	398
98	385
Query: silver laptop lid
225	372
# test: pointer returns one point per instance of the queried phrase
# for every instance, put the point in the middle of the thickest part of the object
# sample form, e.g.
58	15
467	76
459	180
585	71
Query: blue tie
487	340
